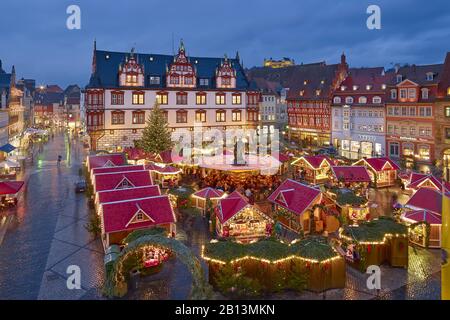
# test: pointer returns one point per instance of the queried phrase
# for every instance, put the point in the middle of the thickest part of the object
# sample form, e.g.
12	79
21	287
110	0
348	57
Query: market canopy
7	148
10	187
423	216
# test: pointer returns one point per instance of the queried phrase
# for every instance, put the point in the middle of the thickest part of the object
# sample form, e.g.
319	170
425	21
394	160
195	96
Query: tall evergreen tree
156	136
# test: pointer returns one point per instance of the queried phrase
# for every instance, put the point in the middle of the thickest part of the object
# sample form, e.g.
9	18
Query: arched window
376	99
349	100
362	100
337	100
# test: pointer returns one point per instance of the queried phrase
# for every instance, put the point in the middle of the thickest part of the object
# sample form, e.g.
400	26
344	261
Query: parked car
80	186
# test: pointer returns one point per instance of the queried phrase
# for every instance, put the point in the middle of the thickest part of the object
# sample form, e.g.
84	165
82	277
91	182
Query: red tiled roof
104	160
110	181
10	187
427	199
118	169
294	196
117	216
128	194
230	206
209	193
379	163
316	161
351	173
423	215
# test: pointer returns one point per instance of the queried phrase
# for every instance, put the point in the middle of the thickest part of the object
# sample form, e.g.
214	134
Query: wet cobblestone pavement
46	234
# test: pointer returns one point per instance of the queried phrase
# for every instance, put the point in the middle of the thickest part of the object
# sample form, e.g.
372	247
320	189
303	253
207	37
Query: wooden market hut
350	206
313	169
312	257
350	176
238	219
200	197
164	175
9	191
105	160
429	202
383	171
295	201
379	241
413	181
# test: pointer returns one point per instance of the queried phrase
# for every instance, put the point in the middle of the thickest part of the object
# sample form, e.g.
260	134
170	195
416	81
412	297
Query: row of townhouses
363	112
403	113
16	106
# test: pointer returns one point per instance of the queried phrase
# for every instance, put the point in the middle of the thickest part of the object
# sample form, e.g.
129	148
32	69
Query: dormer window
393	94
301	93
322	81
355	88
317	92
337	99
204	82
305	82
226	75
343	88
181	73
399	78
383	87
362	100
376	100
430	76
424	93
131	73
154	80
348	100
368	87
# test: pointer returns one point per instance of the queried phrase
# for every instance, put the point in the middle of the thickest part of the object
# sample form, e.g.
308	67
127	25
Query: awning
7	148
9	164
10	187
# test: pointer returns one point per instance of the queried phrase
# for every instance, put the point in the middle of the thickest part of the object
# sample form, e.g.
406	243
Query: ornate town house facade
192	91
358	114
410	113
309	101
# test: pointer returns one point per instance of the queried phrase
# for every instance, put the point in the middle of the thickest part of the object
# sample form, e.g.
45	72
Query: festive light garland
292	257
386	237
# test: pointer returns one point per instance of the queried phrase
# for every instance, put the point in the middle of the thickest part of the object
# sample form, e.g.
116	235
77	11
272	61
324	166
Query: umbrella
9	164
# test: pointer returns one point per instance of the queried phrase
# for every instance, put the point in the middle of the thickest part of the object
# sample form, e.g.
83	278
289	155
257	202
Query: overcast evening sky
34	37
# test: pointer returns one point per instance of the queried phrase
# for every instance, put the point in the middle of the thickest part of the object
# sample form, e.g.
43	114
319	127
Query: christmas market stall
413	181
136	155
423	214
310	263
313	169
351	206
115	169
293	204
121	180
9	191
164	175
120	218
201	197
352	177
107	196
379	241
383	171
105	160
236	218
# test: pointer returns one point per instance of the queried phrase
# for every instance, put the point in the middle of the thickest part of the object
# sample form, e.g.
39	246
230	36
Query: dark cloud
33	35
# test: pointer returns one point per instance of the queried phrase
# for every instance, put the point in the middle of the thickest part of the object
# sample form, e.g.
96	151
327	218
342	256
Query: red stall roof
315	161
230	206
351	173
209	193
379	164
106	160
128	194
417	180
118	169
10	187
137	213
423	215
294	196
426	199
122	180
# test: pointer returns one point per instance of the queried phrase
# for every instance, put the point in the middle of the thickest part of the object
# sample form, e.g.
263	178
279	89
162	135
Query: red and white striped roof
295	196
127	194
210	193
422	216
122	180
351	173
122	215
105	160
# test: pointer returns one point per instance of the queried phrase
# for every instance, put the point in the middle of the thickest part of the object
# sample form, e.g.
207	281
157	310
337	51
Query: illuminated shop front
354	149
